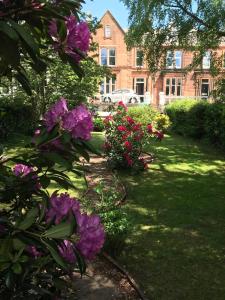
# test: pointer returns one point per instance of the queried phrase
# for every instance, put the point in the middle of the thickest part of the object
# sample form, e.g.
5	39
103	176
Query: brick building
130	71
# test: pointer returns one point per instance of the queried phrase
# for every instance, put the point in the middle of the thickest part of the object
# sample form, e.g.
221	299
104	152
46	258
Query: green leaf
4	266
24	82
80	261
54	253
44	181
60	231
29	219
9	31
17	269
25	36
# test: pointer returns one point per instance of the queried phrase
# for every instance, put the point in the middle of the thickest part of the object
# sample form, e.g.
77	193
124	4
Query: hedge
146	115
16	119
198	119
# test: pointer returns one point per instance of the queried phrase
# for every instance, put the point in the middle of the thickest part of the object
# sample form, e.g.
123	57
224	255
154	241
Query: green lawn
176	249
177	246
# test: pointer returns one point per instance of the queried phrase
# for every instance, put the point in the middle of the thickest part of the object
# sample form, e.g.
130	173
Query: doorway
140	88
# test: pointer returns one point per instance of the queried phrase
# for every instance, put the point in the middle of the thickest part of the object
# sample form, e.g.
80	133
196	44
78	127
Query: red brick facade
172	81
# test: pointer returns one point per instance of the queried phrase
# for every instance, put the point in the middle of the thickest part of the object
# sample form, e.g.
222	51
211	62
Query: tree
193	25
27	27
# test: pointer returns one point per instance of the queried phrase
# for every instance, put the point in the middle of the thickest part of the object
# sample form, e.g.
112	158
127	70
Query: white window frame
178	83
174	56
110	82
107	56
206	60
107	32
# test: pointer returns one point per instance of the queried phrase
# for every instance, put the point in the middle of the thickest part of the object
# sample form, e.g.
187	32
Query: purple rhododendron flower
54	114
77	38
66	249
79	122
32	250
91	234
60	206
22	170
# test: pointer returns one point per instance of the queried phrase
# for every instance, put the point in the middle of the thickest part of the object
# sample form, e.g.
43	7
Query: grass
177	246
176	249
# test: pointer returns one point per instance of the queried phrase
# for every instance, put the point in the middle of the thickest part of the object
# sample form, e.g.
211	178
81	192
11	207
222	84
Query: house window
107	31
174	59
205	88
104	56
108	56
108	85
173	87
139	58
206	60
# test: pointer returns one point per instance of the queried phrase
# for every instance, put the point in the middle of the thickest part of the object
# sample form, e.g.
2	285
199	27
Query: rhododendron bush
126	139
45	237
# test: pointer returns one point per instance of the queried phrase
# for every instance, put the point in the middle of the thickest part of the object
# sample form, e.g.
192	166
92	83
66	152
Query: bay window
173	87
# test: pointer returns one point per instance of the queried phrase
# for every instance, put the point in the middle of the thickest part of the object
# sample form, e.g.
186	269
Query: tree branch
197	19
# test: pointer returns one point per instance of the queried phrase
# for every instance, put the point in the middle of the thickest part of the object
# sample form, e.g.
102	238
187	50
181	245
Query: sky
98	7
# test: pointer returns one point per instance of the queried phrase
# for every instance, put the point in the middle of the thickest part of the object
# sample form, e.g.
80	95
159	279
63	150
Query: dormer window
107	31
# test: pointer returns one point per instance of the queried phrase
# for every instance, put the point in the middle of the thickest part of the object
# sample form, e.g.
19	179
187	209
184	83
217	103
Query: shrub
147	115
142	114
126	139
45	238
188	117
198	119
98	124
113	216
16	119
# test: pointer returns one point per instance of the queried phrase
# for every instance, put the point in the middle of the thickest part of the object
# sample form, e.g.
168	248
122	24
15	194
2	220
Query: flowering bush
45	237
125	139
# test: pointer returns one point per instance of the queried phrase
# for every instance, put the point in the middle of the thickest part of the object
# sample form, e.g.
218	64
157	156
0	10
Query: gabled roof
109	13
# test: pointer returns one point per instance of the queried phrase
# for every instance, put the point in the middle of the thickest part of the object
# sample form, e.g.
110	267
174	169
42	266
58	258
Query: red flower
139	136
159	135
136	127
107	146
130	120
121	104
128	145
128	160
145	165
149	128
122	128
108	119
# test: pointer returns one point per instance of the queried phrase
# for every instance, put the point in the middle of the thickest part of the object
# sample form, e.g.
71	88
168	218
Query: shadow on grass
177	246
